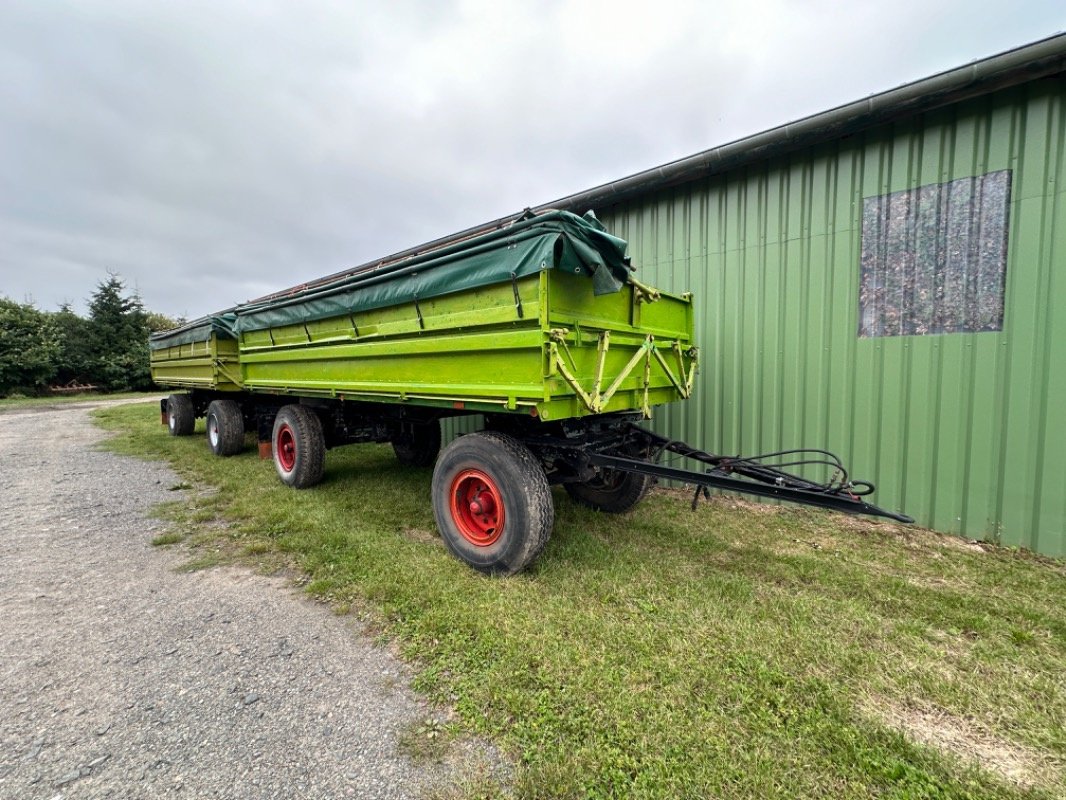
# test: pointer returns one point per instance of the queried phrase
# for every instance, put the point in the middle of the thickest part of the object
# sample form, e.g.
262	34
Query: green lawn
740	651
63	399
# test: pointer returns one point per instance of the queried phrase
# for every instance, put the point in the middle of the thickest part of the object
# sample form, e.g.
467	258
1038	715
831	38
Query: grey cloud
212	152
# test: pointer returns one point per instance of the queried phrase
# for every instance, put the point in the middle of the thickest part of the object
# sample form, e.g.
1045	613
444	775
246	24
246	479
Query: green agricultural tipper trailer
538	324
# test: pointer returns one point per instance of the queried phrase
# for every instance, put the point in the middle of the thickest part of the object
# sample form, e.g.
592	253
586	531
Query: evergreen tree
119	335
74	361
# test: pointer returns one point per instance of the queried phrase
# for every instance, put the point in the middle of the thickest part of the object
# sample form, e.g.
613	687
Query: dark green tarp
199	330
553	240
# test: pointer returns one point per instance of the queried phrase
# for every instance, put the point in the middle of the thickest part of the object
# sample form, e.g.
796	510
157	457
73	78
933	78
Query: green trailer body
209	363
536	321
569	354
540	326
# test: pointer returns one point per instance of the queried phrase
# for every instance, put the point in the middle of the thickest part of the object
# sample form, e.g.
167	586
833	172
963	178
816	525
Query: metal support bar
596	400
838	502
517	297
645	294
693	364
642	352
601	359
684	390
568	376
645	409
418	311
681	368
221	367
617	443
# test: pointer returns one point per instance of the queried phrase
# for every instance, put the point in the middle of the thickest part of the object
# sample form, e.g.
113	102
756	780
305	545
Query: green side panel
210	363
485	349
488	366
961	430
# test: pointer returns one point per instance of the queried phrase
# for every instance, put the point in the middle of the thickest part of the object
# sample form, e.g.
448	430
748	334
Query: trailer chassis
577	450
491	489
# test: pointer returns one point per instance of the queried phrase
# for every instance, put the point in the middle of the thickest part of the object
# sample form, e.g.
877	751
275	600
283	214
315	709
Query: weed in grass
171	537
476	787
426	740
729	652
206	560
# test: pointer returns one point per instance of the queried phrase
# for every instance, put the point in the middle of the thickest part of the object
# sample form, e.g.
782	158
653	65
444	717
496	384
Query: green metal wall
963	431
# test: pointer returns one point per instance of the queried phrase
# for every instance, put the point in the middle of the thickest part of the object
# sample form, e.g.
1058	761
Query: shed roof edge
1010	68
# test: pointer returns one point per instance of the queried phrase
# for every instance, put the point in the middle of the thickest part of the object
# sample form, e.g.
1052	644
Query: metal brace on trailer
221	367
644	293
558	336
418	311
517	298
596	400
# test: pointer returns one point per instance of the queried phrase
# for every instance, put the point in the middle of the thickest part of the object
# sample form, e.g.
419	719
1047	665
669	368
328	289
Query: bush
108	350
29	344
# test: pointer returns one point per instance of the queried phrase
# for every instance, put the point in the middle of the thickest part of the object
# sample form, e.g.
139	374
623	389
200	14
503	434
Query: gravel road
120	677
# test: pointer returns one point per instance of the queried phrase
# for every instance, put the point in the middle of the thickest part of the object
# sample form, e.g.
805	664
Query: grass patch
171	537
740	651
7	403
426	740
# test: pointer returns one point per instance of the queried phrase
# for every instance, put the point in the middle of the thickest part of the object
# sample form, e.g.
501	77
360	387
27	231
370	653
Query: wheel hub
477	507
286	448
482	504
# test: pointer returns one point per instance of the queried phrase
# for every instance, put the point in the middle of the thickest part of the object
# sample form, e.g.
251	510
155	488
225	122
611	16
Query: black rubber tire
298	446
418	446
613	491
181	416
225	427
528	512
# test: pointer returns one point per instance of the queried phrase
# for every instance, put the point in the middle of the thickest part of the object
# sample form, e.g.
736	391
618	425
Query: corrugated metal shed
962	430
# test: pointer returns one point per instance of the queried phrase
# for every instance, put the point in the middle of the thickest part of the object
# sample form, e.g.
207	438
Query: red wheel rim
477	507
286	448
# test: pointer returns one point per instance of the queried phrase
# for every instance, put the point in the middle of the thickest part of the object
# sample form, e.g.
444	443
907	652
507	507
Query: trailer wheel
299	447
613	491
225	427
418	446
181	417
492	502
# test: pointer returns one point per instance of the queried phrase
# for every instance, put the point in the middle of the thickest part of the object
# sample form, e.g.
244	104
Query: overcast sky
210	152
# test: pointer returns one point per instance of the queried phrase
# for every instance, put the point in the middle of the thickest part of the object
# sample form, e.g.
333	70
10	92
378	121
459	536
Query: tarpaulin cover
199	330
553	240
